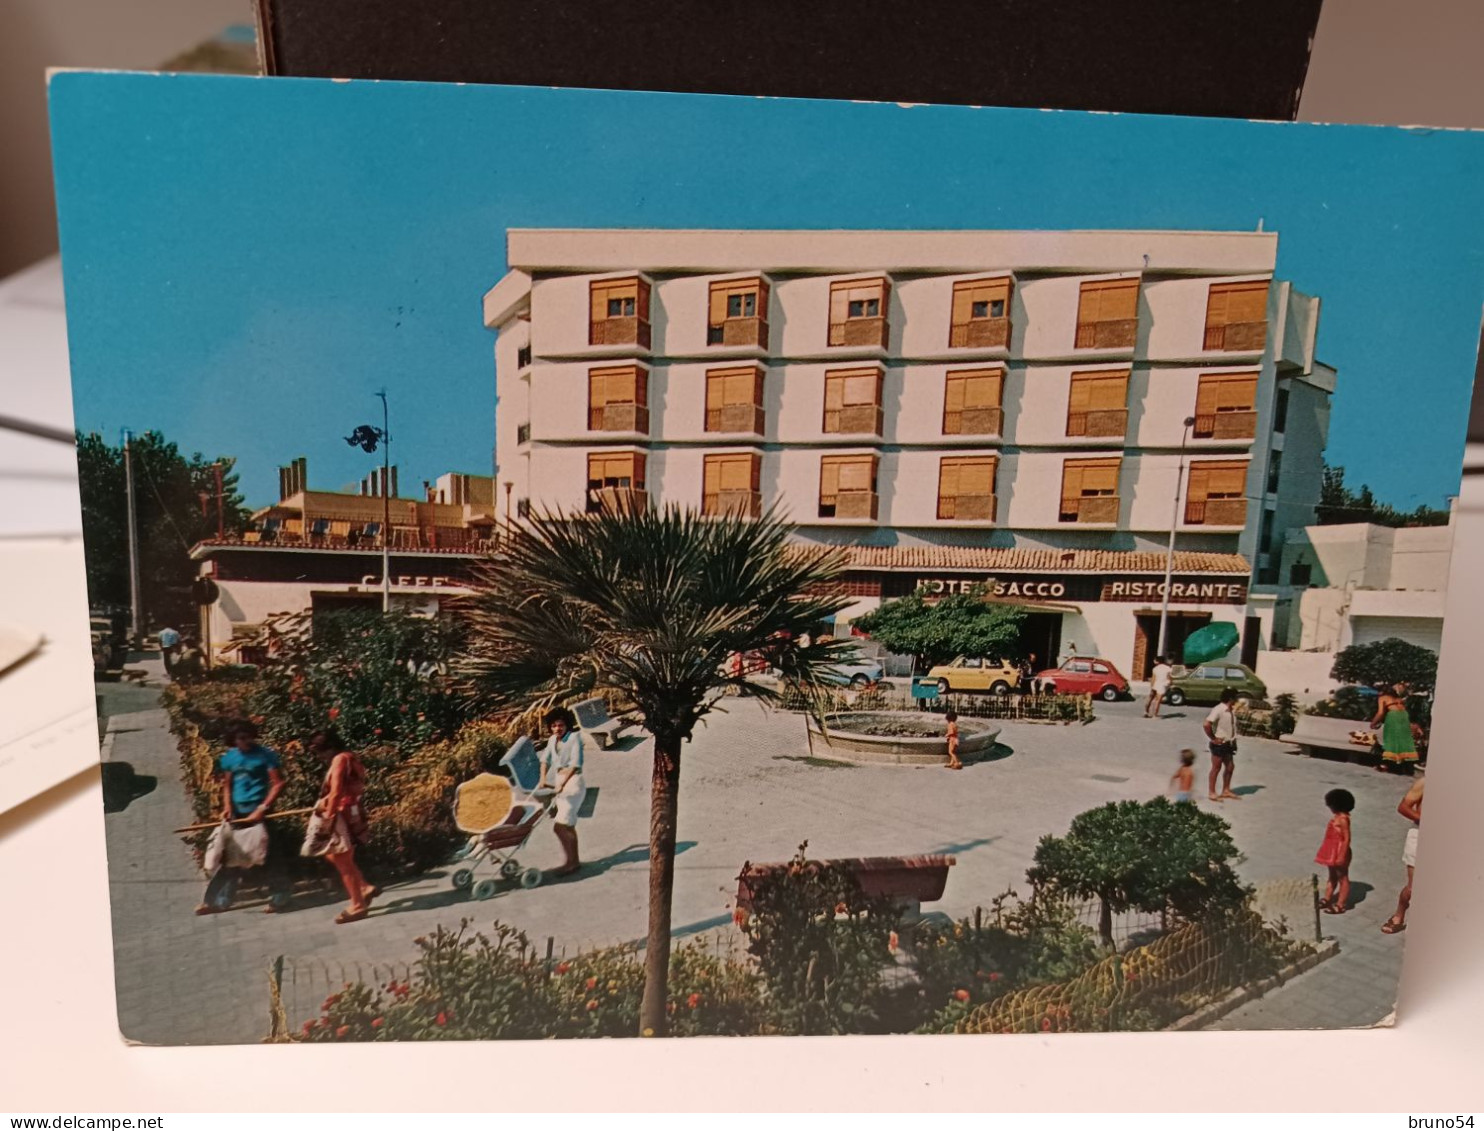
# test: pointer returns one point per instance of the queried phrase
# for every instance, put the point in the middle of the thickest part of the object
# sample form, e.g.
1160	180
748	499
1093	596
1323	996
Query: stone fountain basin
918	739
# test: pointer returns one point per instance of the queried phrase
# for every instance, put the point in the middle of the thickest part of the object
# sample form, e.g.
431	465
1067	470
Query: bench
1321	737
909	880
592	717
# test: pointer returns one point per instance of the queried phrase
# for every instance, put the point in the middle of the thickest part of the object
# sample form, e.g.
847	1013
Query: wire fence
1024	708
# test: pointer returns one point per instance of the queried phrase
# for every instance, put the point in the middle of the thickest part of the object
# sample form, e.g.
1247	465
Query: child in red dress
1334	852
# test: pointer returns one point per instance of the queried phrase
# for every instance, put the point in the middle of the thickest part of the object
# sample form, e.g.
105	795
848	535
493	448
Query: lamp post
1164	606
367	437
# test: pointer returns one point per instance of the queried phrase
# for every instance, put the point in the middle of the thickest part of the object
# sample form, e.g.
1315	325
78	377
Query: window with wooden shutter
972	401
847	486
858	310
1237	316
734	400
618	399
619	312
1089	490
966	487
1226	406
1097	404
615	480
731	484
852	400
1215	493
738	313
1108	314
981	313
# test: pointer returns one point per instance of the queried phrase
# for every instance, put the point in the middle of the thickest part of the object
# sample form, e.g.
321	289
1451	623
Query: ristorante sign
1052	588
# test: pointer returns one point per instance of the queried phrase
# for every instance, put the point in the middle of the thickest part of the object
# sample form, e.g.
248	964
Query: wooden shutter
1071	485
857	473
983	389
829	479
1108	300
955	392
1207	396
757	387
1107	391
862	387
718	306
1231	303
1226	478
966	294
834	392
1236	392
1100	477
1198	490
641	287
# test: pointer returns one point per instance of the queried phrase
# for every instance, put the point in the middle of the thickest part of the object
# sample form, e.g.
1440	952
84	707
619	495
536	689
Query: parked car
976	673
1205	684
858	672
1085	675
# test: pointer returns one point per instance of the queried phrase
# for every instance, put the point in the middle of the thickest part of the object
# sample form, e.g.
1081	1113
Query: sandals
209	909
372	892
351	916
1392	927
1333	910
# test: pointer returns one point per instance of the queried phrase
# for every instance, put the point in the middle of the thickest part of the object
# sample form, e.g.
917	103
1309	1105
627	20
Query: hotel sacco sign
1032	588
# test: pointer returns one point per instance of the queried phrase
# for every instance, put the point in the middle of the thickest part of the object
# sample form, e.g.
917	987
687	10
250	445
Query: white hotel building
957	407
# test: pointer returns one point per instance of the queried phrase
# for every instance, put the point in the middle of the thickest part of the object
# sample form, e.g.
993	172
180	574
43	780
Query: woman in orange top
339	821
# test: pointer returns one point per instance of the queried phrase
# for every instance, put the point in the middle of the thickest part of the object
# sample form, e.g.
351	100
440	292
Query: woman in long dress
338	823
561	770
1395	725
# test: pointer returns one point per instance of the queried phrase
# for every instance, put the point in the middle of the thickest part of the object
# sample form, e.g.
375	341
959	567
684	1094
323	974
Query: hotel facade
957	408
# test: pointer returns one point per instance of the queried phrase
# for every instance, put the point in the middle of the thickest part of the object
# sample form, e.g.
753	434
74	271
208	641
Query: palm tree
652	604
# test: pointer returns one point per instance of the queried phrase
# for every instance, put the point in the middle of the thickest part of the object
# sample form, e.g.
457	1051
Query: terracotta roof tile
1013	560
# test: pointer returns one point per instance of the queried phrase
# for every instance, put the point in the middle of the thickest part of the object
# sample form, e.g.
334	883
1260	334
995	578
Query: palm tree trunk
664	803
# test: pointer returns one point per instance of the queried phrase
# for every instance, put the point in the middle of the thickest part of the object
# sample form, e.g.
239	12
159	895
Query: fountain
896	738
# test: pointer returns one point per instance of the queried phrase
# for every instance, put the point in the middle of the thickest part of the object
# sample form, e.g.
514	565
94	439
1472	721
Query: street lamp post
367	437
1164	606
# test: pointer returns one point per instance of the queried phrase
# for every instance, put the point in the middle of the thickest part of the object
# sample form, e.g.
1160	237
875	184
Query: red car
1085	675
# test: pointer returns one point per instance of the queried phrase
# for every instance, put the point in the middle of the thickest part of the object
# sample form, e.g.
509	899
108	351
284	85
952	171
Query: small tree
652	604
933	630
1387	662
1144	856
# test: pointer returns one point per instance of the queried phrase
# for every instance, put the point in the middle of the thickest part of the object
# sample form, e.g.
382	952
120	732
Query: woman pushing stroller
561	771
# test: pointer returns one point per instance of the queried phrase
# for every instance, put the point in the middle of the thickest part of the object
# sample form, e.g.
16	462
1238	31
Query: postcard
629	564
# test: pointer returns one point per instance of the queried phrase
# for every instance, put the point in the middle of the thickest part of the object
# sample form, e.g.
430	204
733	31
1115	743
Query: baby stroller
500	814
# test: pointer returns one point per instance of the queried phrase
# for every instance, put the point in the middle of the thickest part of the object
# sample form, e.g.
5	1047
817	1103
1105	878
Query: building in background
321	551
1005	408
1355	583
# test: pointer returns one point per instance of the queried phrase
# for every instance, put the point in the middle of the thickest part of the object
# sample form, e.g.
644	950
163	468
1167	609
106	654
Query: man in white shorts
1411	809
1159	686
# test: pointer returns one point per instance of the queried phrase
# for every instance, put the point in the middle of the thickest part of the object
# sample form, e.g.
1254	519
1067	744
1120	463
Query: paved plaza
749	791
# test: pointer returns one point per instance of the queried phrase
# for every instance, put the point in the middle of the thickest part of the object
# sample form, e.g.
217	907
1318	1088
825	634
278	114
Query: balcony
974	422
1091	509
1099	422
618	418
751	332
736	418
1226	426
859	332
523	433
1116	335
630	331
982	333
523	357
744	504
966	508
617	500
855	419
1237	337
850	505
1216	512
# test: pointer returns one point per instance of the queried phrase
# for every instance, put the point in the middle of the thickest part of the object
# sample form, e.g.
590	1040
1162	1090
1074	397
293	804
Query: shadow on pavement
1247	790
995	753
121	785
963	846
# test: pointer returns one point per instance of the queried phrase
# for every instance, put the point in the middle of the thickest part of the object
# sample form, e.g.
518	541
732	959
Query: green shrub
1386	662
1284	716
1346	703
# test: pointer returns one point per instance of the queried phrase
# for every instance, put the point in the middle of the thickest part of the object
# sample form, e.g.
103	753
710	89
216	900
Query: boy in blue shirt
252	778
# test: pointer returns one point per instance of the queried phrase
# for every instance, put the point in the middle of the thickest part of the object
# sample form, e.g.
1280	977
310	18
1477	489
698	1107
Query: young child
1182	785
1334	852
953	762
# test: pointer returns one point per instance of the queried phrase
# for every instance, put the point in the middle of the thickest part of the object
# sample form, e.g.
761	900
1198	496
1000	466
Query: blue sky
247	261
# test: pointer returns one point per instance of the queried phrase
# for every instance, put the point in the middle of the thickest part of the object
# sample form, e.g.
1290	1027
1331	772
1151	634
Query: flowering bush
476	986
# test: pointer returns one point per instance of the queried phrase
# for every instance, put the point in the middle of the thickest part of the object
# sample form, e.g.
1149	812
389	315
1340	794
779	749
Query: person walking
1159	686
169	643
338	824
251	777
1395	725
1182	784
561	763
1221	731
1335	851
1410	808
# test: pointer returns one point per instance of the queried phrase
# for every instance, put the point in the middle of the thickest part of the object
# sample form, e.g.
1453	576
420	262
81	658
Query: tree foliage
171	518
936	629
1340	504
1385	662
1143	856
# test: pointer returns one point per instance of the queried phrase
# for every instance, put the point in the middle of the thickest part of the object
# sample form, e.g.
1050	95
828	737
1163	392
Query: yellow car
976	673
